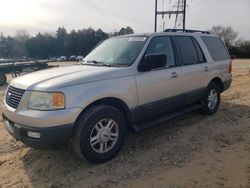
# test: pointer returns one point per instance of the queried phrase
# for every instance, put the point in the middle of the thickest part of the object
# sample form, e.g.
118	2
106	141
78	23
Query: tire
212	99
3	79
109	140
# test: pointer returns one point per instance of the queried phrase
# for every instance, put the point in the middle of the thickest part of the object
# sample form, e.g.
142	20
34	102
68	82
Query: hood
54	78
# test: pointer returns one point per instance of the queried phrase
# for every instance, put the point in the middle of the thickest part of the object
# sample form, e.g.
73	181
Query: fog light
33	134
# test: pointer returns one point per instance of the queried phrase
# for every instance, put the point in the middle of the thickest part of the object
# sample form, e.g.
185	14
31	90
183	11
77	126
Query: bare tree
229	35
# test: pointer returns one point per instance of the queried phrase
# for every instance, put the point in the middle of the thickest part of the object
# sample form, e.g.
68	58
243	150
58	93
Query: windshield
117	51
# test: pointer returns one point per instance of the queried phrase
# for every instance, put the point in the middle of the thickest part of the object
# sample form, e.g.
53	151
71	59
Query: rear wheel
212	99
3	79
100	133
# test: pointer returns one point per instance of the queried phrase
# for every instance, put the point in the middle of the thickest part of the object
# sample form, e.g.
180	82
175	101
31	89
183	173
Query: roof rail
187	31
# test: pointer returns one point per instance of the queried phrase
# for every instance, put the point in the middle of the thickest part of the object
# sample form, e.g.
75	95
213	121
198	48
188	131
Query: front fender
80	96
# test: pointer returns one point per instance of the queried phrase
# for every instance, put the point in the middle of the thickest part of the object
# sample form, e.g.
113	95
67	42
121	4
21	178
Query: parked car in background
73	58
53	59
79	58
127	82
62	58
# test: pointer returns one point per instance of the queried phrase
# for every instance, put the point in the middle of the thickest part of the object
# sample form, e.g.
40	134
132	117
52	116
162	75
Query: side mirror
153	61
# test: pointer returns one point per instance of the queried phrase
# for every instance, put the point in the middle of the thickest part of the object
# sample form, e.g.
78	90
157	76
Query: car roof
175	32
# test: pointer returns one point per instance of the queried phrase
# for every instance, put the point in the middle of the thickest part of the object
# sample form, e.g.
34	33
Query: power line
179	10
176	17
180	18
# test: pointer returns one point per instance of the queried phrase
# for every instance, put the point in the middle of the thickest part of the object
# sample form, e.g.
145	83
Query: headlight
46	101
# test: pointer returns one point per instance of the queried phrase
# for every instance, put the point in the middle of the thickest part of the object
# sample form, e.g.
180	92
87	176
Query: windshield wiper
100	63
84	62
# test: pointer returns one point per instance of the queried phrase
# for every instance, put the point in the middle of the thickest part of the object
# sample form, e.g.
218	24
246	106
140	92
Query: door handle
174	75
205	69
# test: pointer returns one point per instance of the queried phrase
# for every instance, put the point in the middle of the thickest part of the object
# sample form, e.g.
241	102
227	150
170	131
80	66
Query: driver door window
162	45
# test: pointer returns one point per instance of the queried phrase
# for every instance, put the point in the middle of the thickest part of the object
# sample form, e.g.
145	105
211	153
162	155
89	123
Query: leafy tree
12	47
124	31
22	35
74	43
47	45
62	42
241	50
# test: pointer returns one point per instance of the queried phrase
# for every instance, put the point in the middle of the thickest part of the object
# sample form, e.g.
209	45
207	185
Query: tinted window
201	56
162	45
187	50
216	48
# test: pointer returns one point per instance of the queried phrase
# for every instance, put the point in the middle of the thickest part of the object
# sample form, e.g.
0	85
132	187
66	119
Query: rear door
194	68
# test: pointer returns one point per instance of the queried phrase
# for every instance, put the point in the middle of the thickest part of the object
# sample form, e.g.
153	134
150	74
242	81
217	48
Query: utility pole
184	14
176	12
156	4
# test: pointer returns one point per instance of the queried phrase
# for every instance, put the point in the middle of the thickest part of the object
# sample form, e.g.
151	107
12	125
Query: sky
47	15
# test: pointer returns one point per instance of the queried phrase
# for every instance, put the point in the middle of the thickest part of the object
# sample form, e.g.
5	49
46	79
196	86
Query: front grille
14	96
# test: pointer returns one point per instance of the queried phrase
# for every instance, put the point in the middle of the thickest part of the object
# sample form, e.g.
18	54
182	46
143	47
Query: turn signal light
58	100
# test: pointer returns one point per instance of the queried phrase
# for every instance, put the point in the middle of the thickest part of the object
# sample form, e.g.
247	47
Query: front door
159	91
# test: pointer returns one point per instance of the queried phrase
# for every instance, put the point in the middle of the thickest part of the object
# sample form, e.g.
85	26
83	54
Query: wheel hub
212	99
104	135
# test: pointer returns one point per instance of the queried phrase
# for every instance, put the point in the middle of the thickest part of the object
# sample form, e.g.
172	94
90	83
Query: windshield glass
117	51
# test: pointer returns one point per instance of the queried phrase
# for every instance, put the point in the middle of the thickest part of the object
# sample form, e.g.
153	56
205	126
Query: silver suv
128	82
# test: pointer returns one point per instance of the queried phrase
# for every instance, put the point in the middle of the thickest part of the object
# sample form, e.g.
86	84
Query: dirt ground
191	151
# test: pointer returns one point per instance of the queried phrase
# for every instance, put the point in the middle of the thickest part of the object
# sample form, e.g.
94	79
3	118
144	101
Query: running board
150	123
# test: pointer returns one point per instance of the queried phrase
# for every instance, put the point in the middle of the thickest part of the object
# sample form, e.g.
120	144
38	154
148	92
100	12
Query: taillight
230	67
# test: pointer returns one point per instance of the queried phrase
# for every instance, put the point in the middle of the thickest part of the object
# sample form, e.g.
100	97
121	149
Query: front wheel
99	134
212	99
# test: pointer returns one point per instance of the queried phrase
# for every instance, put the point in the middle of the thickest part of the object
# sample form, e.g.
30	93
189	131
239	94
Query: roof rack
187	31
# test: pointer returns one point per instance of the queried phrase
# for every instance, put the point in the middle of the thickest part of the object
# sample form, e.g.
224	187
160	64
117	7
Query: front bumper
41	119
49	138
53	127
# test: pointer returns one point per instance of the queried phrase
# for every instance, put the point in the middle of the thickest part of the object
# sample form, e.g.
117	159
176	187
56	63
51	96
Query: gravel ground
191	151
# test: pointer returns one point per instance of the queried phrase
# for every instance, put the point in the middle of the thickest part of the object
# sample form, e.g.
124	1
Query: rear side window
216	48
187	50
201	56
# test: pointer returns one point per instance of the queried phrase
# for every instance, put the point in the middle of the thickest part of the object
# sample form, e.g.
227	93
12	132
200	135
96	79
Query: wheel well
116	103
219	82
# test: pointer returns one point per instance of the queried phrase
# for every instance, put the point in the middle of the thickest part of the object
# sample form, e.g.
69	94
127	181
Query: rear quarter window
216	48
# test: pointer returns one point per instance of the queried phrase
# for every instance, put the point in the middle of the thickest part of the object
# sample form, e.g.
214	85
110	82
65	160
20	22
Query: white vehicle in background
79	58
53	59
127	82
62	58
73	58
